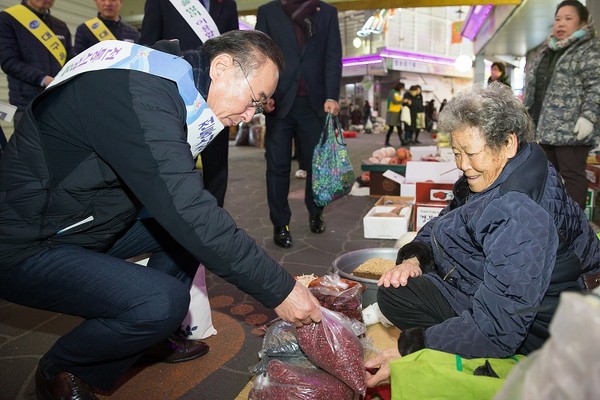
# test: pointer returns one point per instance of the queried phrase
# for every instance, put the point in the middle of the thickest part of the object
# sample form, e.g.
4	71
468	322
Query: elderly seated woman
483	278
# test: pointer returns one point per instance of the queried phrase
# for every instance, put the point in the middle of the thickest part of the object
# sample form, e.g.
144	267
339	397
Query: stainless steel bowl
345	264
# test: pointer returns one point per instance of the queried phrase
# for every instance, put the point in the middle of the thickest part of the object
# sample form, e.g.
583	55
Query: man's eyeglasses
259	105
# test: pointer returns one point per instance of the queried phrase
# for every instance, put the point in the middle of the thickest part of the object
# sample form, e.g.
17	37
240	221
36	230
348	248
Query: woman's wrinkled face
480	164
566	22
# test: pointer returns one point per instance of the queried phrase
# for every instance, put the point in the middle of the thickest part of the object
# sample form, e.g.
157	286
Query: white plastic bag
405	115
198	321
567	366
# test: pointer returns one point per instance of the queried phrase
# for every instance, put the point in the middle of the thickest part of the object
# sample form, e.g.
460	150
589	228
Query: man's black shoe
64	386
174	350
317	223
282	236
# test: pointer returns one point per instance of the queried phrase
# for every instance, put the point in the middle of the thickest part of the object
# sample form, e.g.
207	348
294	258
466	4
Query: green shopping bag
332	173
435	375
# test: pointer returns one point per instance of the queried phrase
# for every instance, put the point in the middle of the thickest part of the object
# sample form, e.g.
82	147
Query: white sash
203	125
197	18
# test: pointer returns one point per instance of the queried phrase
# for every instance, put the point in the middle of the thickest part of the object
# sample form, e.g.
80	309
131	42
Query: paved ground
26	334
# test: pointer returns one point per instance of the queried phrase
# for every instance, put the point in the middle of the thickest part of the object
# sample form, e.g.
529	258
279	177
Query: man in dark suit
163	21
307	31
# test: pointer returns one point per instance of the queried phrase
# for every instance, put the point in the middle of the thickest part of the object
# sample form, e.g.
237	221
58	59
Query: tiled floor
26	334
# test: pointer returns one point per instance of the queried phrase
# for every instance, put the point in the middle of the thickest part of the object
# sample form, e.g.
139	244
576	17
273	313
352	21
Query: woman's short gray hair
494	110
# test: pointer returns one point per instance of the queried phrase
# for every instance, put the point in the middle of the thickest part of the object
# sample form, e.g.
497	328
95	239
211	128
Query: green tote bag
435	375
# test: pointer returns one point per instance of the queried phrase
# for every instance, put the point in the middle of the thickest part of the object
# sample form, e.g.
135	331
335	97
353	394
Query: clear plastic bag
339	294
567	366
285	381
333	346
279	342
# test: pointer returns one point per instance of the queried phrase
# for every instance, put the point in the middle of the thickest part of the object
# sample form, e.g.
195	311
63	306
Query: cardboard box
388	227
418	152
428	171
393	200
438	172
592	172
430	200
379	184
382	186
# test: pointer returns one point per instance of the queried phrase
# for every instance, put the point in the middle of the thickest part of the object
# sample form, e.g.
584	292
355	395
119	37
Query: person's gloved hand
583	128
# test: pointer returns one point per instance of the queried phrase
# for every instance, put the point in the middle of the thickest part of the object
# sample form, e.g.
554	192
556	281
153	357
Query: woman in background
562	95
498	73
392	117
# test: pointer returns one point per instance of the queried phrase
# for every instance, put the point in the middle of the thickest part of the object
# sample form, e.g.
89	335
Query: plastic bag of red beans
339	294
289	381
333	346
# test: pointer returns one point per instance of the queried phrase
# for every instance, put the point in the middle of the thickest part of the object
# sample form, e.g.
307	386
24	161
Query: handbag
405	115
420	120
433	374
332	173
197	324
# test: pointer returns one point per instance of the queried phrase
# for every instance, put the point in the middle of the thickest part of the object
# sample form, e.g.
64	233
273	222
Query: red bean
285	381
333	346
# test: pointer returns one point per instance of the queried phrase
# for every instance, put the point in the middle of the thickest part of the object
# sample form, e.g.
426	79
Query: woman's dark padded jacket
501	258
103	145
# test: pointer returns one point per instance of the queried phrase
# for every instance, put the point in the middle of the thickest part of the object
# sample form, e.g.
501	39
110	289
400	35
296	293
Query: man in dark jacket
307	31
106	26
29	65
163	21
73	181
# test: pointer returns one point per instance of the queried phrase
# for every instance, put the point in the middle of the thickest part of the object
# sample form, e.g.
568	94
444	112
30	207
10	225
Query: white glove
583	128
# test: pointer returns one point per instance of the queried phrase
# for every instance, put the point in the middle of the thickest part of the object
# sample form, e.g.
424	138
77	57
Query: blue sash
203	124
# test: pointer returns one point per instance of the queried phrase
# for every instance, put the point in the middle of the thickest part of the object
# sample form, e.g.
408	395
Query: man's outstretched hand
300	307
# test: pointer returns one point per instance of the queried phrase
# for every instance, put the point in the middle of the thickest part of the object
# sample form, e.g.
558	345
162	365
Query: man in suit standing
307	31
163	21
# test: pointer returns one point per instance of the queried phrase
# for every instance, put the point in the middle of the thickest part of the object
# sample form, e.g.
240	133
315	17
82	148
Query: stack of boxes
408	196
430	200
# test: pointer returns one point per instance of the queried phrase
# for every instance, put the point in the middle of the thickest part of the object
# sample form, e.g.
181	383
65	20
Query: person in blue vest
562	95
29	65
68	224
107	25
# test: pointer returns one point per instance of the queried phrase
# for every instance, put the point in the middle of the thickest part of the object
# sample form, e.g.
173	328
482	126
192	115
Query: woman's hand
383	362
398	276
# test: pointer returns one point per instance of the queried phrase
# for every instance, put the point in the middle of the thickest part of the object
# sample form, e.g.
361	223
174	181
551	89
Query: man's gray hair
494	110
249	47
